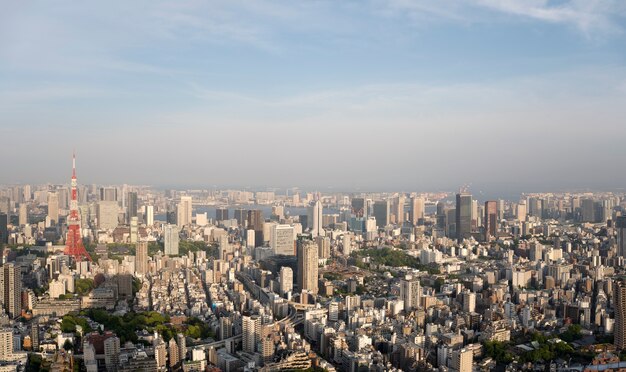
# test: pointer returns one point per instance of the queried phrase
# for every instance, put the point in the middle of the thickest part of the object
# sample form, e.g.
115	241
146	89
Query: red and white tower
74	243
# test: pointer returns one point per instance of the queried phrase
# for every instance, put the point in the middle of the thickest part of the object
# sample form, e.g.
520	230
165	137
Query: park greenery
392	258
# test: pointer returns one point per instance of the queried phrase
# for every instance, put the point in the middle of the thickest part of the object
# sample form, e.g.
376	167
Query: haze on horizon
378	94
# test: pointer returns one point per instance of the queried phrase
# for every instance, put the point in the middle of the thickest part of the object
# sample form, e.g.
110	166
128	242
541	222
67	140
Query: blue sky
396	94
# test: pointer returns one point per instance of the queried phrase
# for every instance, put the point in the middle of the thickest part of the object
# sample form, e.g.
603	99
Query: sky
346	95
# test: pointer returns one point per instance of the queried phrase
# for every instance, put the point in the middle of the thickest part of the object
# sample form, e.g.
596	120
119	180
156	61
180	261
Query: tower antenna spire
74	243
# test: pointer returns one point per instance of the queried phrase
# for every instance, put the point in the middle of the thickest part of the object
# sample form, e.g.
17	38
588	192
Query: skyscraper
399	209
108	194
251	325
53	208
410	292
286	280
4	231
463	216
281	239
171	238
141	258
184	210
358	205
417	209
491	219
462	360
107	213
255	222
307	265
131	206
23	215
381	213
149	218
316	219
221	214
620	314
11	289
620	227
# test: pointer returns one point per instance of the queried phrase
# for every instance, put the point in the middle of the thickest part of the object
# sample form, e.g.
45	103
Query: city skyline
409	94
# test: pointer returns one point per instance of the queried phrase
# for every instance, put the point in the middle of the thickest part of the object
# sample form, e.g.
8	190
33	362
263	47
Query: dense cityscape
313	185
132	278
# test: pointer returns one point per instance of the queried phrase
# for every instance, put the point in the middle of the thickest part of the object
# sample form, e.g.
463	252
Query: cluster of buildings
269	281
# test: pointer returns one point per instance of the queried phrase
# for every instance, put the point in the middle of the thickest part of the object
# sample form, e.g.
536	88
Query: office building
149	217
23	215
131	206
256	222
410	292
282	240
619	299
241	215
491	219
108	194
381	213
286	280
398	209
11	289
307	265
107	215
620	227
171	239
316	218
463	216
358	207
4	230
221	214
111	353
53	208
141	258
417	210
184	211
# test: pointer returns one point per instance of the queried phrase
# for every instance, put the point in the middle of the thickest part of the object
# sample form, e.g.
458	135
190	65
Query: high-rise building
399	209
358	206
134	230
381	213
251	325
286	280
108	194
107	215
462	360
307	265
4	231
619	299
521	211
221	214
316	218
141	258
491	219
53	208
23	215
410	292
620	227
111	353
6	344
160	353
255	222
184	211
588	209
34	334
149	218
172	351
323	245
241	215
417	209
131	206
463	216
171	238
182	346
281	239
11	289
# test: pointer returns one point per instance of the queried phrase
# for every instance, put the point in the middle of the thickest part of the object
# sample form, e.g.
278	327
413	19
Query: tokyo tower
74	243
